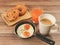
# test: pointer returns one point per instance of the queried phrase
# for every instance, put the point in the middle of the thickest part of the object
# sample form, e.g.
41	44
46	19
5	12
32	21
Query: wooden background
7	37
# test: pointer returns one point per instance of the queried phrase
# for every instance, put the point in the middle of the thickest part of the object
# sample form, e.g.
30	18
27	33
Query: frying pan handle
43	38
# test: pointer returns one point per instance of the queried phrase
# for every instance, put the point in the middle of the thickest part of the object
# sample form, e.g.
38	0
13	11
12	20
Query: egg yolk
27	26
26	34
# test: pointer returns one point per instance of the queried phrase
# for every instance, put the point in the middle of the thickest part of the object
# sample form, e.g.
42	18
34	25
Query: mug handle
54	28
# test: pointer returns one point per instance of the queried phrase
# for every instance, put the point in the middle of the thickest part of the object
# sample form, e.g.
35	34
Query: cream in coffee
46	21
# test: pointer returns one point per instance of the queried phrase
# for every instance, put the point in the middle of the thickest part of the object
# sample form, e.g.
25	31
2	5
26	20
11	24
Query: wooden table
7	37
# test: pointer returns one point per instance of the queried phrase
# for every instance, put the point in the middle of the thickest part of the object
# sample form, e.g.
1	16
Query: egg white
21	30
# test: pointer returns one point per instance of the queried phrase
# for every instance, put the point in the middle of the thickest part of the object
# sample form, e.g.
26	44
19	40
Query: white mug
45	29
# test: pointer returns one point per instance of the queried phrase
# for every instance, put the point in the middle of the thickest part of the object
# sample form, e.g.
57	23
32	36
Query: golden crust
15	12
12	14
22	9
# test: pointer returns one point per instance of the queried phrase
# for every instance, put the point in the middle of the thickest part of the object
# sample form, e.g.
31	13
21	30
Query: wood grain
7	36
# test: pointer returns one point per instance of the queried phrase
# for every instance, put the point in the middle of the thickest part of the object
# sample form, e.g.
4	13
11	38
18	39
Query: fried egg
25	30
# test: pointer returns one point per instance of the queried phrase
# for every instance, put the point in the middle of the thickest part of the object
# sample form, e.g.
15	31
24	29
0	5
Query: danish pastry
12	14
22	9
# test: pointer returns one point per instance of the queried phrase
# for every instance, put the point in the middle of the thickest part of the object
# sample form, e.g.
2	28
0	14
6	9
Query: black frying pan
43	38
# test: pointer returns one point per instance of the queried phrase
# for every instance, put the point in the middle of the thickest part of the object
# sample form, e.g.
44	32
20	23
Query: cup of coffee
46	22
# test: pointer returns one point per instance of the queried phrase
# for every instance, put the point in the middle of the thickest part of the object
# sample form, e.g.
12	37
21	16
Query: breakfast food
22	9
25	30
12	14
16	14
26	34
27	26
